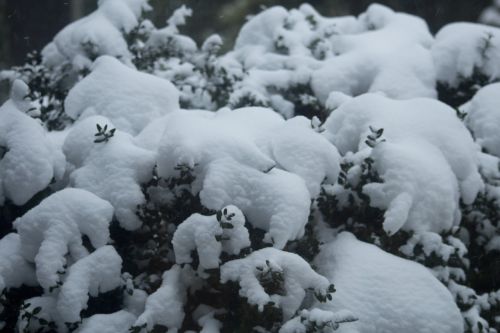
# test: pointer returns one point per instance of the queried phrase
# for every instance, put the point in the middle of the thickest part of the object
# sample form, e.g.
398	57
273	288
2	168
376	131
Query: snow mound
380	51
483	118
166	305
54	229
118	322
419	192
209	236
112	170
98	272
14	269
99	33
284	163
111	90
463	49
29	161
298	277
421	127
298	149
199	137
277	201
391	55
386	293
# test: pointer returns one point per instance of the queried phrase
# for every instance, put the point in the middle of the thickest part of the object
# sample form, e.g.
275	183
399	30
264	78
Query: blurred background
27	25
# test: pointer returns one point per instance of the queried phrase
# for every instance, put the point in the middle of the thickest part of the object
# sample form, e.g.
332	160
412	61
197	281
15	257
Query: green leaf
37	310
226	225
42	321
99	128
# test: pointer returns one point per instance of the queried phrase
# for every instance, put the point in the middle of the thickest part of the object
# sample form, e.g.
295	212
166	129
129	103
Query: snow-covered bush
326	173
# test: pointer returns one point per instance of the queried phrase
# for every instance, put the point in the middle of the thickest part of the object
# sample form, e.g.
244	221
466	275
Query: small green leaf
37	310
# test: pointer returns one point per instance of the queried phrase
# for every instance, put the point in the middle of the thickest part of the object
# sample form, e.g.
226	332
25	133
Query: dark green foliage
48	89
103	135
11	302
456	96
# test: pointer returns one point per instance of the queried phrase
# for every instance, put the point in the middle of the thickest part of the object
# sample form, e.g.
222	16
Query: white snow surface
419	192
386	293
99	33
199	232
14	269
117	322
112	90
55	227
277	201
380	51
28	159
483	117
283	163
166	305
462	48
298	277
414	120
112	170
98	272
392	56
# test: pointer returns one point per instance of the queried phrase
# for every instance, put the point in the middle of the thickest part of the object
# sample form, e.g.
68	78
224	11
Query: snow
14	269
112	170
166	305
380	51
118	322
416	120
462	48
483	118
199	137
386	293
298	277
419	192
392	56
53	230
491	15
98	272
111	90
99	33
298	149
200	233
28	159
277	201
47	305
309	320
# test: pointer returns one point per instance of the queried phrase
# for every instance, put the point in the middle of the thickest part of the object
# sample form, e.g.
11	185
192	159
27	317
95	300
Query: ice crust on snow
28	159
414	130
298	277
15	270
112	90
100	33
386	293
483	117
461	49
98	272
199	232
55	228
112	170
